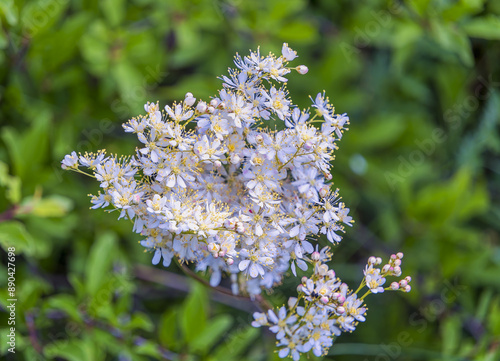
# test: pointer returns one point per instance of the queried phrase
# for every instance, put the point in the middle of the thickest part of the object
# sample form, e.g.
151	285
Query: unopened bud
341	299
403	283
379	260
397	271
308	145
324	299
302	69
211	109
341	309
394	286
408	288
323	192
400	255
397	262
331	274
408	279
201	107
259	138
240	228
315	256
214	102
372	260
230	261
304	279
189	101
328	176
218	163
386	268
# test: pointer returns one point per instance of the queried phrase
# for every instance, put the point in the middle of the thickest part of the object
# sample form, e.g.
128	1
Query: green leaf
9	11
65	303
148	348
29	151
462	8
14	234
194	313
486	27
235	345
453	39
11	183
38	16
140	321
114	10
99	261
451	334
52	206
70	350
168	329
216	328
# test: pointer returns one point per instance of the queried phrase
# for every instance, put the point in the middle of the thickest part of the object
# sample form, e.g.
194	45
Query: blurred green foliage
419	168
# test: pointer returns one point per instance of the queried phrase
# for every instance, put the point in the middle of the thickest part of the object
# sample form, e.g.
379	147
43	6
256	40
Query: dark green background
419	169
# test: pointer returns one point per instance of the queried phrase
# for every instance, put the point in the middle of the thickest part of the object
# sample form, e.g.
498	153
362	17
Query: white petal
244	264
157	256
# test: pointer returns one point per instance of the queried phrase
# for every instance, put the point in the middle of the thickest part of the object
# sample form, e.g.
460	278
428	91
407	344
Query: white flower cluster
326	307
211	185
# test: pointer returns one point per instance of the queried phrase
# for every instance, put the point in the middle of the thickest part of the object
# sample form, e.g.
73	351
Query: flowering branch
211	186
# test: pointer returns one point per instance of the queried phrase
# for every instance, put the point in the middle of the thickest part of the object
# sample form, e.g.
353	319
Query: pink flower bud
408	279
400	255
323	192
315	256
341	309
188	95
403	283
386	268
201	107
304	279
230	261
341	299
394	286
408	288
336	295
397	262
324	299
372	260
328	176
397	271
379	260
214	102
330	274
302	69
189	101
211	109
217	163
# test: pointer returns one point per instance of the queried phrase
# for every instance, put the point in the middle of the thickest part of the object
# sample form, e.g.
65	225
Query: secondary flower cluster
212	185
326	307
